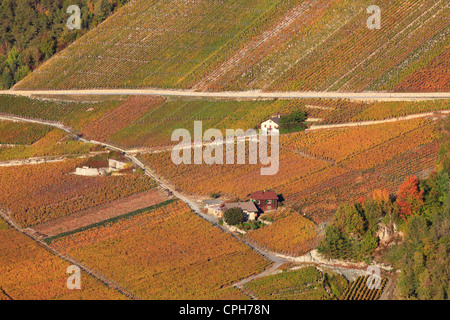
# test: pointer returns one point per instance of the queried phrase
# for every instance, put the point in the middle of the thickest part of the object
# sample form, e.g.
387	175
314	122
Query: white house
118	165
113	166
90	172
214	207
271	126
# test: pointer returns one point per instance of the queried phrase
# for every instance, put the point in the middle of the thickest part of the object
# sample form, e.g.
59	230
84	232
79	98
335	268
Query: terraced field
69	112
33	194
167	253
343	165
30	272
17	133
54	143
303	284
273	45
144	121
290	233
359	290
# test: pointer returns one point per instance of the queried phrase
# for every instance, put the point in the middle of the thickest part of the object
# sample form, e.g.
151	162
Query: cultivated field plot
17	133
290	233
54	143
33	194
167	253
101	213
274	45
154	128
71	113
359	289
303	284
148	122
29	272
124	115
342	165
434	77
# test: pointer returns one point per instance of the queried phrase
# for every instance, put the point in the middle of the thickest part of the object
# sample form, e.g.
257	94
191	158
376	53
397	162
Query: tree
382	197
409	197
294	117
21	73
335	244
348	220
13	59
372	213
7	79
48	47
214	195
369	243
234	216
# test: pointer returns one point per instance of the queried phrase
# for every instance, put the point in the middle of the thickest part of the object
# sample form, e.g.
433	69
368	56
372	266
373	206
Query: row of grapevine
30	272
179	256
361	290
367	158
33	194
292	235
254	44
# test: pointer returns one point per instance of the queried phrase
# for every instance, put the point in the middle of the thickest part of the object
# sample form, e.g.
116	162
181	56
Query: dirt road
366	96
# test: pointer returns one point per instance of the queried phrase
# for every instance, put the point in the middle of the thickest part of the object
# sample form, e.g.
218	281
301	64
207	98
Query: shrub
234	216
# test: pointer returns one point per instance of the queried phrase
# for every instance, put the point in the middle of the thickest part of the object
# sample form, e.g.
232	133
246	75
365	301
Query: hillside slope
297	45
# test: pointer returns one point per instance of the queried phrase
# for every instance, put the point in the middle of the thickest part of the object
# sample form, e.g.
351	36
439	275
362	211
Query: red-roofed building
265	200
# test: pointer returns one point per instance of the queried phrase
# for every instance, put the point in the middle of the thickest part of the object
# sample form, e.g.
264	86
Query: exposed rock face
384	234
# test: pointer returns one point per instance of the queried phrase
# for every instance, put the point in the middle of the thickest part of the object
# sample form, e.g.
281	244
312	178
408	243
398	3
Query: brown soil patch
101	213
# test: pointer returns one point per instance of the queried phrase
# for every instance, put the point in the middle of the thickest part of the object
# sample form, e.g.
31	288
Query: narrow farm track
359	96
45	159
97	275
272	269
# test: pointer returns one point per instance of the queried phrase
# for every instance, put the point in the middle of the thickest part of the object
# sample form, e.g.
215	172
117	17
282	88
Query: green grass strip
48	240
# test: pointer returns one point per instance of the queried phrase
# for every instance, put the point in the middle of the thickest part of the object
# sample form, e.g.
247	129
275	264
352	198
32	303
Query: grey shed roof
212	202
245	206
276	120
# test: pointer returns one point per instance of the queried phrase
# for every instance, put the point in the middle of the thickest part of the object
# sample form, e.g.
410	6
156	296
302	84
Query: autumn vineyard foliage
290	233
145	121
66	110
124	115
353	184
29	271
360	290
309	283
54	143
179	256
33	194
303	284
271	45
341	144
320	169
17	133
432	78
